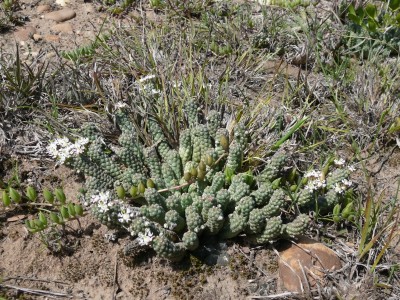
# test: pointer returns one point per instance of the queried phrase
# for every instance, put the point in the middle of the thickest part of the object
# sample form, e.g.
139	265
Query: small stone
37	37
303	266
50	55
25	33
63	27
62	2
61	15
43	8
51	38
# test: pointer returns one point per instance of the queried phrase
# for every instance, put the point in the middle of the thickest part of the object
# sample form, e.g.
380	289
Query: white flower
103	207
120	104
100	197
146	238
320	183
339	162
351	168
62	148
170	225
315	184
339	189
126	215
347	182
313	174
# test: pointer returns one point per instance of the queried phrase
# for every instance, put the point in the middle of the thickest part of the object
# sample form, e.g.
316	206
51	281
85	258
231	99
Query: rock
63	27
303	266
50	55
62	2
25	33
51	38
61	15
37	37
43	8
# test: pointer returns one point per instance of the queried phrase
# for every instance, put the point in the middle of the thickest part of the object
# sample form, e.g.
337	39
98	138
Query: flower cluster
146	85
62	149
315	181
102	200
127	214
145	238
342	186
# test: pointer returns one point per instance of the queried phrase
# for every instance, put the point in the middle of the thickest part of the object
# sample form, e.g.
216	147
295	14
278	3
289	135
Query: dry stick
276	296
115	281
175	187
309	253
291	269
34	279
36	292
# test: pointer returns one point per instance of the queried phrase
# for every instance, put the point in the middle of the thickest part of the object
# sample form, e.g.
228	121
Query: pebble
37	37
63	27
62	2
61	15
50	55
299	269
43	8
25	33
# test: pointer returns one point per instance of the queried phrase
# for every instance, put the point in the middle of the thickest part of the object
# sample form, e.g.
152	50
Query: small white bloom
125	216
146	238
347	182
313	174
120	104
351	168
103	207
320	183
339	162
339	189
170	225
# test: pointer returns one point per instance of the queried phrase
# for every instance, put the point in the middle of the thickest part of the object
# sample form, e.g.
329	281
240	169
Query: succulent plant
170	197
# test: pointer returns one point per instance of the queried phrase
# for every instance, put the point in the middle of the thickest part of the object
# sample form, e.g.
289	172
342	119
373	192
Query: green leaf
355	19
43	219
336	210
71	210
48	196
6	199
370	9
31	193
372	25
351	9
60	195
15	196
55	218
360	13
120	192
394	4
79	210
398	18
64	212
348	210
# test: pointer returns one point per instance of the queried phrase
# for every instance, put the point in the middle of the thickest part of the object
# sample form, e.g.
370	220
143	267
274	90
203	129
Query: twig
49	294
115	281
34	279
276	296
175	187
